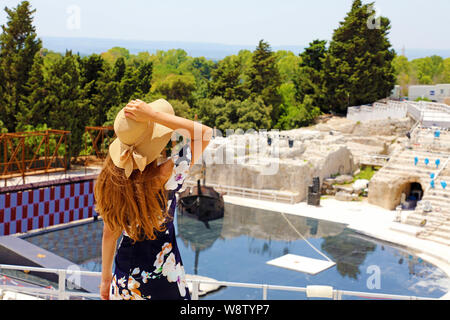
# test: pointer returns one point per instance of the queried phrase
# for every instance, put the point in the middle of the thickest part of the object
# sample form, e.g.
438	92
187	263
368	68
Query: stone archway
410	193
386	191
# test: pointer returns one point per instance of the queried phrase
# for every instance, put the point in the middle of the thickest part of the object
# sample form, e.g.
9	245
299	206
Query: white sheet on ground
301	264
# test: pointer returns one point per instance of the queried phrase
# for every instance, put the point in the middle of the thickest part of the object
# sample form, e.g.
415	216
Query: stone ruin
288	160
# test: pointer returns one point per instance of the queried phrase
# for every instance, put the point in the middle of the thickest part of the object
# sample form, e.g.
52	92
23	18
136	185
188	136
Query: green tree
287	64
176	87
403	73
428	70
119	69
182	109
3	110
298	114
446	73
201	67
309	80
113	54
173	61
264	79
254	114
69	109
33	108
358	67
314	54
50	57
91	69
218	112
226	80
18	46
144	77
136	82
107	96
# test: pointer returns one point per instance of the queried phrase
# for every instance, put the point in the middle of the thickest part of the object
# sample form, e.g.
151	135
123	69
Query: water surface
237	247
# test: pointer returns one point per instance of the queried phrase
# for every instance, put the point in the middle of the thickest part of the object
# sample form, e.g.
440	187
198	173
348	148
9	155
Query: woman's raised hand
138	110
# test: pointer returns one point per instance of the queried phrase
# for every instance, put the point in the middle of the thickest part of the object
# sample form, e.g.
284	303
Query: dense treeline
428	70
262	89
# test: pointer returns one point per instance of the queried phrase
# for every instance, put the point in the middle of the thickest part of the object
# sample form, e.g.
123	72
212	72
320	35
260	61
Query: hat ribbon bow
128	155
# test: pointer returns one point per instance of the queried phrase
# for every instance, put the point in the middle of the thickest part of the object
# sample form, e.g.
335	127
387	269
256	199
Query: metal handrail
62	294
249	193
420	111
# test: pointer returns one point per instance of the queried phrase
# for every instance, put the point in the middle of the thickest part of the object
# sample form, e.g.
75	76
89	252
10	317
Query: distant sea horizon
212	51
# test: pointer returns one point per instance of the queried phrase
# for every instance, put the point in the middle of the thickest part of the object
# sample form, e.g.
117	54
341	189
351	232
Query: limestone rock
344	188
343	179
276	167
344	196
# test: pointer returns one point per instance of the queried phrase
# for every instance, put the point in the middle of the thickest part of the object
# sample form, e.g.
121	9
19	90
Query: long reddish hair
137	204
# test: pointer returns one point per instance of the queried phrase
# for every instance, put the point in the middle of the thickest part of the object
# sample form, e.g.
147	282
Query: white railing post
195	288
61	284
337	295
264	287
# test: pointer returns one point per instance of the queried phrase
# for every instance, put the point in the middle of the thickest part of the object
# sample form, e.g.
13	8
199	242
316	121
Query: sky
420	24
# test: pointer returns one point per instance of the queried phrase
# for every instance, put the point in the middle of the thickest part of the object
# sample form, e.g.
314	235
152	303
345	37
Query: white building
442	92
436	93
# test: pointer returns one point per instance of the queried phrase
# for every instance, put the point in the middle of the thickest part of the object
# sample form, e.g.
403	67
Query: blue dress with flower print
152	269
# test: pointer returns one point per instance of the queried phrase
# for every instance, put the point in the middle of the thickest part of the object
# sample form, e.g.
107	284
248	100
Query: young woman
136	197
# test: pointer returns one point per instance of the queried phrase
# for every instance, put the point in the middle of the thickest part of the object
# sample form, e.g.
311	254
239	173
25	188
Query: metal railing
427	113
62	294
25	153
288	197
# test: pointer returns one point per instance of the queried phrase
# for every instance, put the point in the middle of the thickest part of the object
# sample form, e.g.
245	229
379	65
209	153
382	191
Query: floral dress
152	269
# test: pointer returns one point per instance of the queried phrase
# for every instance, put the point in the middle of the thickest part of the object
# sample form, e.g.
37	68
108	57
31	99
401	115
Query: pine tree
33	109
313	55
310	78
128	84
226	80
3	128
107	96
91	69
264	79
254	114
69	109
18	47
358	67
144	77
119	69
136	81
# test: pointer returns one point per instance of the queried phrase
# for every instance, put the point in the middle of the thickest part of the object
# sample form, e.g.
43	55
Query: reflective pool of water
237	247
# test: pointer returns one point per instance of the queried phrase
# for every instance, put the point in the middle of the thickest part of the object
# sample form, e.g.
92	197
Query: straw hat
139	143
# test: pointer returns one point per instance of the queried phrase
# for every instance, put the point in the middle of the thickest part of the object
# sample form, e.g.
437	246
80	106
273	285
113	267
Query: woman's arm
199	134
109	242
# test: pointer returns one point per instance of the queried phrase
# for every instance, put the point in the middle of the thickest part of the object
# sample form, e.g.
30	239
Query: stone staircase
400	170
435	224
424	139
